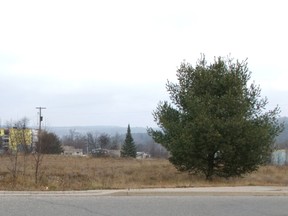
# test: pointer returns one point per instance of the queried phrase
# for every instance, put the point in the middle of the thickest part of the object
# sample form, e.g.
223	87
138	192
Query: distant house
142	155
280	157
114	153
99	152
70	150
105	153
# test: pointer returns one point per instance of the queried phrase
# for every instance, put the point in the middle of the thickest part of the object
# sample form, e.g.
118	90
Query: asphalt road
88	205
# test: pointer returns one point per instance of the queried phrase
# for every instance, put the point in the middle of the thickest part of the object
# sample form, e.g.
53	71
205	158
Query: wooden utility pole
40	116
38	153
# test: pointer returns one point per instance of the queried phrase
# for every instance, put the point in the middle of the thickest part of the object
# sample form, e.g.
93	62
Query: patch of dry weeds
86	173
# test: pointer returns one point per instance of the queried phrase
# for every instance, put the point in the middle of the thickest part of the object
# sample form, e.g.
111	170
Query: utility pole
40	116
38	156
39	131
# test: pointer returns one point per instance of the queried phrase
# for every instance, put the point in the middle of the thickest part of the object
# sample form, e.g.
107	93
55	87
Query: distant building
105	153
142	155
70	150
114	153
17	139
4	139
100	152
280	157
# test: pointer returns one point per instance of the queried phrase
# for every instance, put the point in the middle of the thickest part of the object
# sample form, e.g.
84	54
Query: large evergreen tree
215	123
128	147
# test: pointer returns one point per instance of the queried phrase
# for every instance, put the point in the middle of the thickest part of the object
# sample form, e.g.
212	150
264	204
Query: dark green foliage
128	148
216	124
50	143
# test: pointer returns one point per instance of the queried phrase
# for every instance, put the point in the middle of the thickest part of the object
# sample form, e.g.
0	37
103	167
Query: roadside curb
197	191
58	193
210	191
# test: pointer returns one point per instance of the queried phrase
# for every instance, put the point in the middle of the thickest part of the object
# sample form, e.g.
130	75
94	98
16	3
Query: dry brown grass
82	173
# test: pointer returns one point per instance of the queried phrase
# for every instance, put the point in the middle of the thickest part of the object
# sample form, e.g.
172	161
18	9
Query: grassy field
82	173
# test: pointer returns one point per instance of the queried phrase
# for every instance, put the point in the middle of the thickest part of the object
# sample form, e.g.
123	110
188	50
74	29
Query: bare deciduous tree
20	140
104	141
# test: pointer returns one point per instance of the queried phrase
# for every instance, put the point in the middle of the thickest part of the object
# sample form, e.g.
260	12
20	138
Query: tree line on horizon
96	140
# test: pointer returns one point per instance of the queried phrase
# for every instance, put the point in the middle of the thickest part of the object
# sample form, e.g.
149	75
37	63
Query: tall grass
59	172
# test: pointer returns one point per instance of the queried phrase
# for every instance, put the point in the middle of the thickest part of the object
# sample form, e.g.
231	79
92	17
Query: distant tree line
93	140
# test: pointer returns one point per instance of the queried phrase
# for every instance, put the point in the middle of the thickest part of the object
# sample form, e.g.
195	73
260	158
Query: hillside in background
140	133
111	130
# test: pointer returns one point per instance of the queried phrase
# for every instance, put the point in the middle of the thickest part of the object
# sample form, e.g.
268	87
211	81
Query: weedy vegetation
87	173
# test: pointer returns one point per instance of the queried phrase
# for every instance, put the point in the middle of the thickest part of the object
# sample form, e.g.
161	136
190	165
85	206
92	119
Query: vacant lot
81	173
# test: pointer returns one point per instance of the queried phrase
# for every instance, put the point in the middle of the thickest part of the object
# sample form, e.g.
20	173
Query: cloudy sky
106	62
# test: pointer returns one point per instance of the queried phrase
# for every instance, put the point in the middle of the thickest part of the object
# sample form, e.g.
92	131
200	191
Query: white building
280	157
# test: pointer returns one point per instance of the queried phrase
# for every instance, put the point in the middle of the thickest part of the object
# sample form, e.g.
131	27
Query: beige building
70	150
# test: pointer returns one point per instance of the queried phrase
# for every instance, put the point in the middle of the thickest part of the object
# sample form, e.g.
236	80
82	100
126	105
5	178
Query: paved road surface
77	205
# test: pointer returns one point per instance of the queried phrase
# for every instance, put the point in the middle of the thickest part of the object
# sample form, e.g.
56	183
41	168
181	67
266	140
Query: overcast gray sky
107	62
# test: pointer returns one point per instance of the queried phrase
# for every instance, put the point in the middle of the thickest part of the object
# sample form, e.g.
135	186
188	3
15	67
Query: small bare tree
13	154
38	156
116	141
91	141
25	140
37	153
104	141
77	140
20	139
